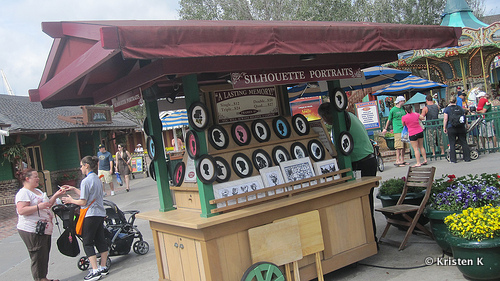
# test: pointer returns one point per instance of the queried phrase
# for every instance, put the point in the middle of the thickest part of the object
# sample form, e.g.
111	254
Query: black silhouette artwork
198	117
261	162
179	175
281	129
193	146
299	153
274	179
345	144
253	186
217	136
240	135
225	193
281	157
244	188
300	124
317	152
242	165
260	132
206	168
340	100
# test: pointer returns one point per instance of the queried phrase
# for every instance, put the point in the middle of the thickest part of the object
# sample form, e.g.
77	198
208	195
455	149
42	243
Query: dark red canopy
92	62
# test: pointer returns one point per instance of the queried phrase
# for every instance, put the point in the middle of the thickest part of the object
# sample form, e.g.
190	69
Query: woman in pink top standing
411	120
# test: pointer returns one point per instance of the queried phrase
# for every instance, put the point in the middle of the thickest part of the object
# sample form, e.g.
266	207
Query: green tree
383	11
136	114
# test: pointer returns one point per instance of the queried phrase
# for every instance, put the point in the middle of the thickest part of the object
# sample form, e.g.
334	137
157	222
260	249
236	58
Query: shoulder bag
79	223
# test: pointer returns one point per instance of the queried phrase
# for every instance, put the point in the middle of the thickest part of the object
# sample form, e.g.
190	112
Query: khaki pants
39	250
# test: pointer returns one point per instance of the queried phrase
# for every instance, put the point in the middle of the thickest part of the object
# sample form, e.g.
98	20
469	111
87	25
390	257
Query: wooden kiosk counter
190	247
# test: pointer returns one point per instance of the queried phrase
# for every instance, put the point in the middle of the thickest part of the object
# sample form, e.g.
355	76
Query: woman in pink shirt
411	120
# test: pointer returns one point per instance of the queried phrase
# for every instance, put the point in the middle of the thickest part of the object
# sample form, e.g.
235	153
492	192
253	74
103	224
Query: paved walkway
388	264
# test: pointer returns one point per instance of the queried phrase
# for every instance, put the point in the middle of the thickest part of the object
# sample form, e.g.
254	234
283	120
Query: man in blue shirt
105	170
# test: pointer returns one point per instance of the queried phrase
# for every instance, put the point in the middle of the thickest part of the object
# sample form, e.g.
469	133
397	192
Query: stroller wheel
108	262
141	247
474	154
83	263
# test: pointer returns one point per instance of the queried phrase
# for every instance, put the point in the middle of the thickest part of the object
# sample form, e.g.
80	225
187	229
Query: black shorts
417	136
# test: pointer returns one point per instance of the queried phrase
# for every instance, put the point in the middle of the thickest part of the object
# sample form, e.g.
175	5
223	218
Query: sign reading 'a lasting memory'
245	104
249	79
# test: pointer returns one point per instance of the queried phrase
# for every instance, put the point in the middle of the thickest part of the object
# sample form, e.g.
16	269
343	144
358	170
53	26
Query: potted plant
452	195
391	189
67	178
475	241
15	154
389	139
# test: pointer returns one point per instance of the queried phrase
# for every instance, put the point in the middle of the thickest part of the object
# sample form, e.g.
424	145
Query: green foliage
383	11
392	186
136	114
14	153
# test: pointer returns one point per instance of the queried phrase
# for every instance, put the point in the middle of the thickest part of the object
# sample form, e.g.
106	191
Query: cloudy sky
24	47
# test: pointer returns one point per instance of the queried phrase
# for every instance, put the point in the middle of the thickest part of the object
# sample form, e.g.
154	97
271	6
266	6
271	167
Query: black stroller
474	154
120	232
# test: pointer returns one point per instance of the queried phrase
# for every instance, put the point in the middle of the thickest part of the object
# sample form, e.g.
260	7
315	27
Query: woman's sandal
401	165
416	166
127	189
424	163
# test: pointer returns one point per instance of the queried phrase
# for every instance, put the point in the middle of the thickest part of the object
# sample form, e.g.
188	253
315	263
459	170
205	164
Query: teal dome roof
457	13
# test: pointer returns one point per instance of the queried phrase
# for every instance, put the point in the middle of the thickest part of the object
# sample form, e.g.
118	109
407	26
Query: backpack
456	117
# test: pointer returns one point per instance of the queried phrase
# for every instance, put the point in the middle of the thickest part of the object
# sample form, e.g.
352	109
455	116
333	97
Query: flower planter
439	228
390	143
481	260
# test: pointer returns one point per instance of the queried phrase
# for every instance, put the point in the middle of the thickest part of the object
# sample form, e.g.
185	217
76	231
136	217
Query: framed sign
245	104
300	124
198	116
271	177
260	130
151	148
367	113
261	159
281	127
298	150
206	169
242	166
340	99
325	167
192	144
316	150
241	133
280	154
223	169
346	143
236	187
298	169
179	171
218	137
190	174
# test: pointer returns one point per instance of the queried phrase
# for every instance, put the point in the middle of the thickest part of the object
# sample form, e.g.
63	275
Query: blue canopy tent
175	119
373	76
409	85
417	98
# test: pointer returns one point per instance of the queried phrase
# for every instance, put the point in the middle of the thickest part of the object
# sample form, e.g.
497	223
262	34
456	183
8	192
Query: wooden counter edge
193	220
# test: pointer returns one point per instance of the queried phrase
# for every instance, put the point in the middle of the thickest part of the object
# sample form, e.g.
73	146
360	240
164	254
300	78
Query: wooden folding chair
402	214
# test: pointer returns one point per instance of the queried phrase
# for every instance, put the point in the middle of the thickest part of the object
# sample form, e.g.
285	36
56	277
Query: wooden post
338	126
160	164
192	94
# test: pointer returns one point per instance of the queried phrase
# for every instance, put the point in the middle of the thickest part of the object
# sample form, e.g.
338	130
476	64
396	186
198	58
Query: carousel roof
92	62
458	13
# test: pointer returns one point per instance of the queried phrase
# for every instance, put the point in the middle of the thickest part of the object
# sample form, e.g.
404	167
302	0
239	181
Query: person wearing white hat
395	115
139	149
487	130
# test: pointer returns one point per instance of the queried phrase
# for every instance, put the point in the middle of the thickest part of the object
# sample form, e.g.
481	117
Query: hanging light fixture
173	95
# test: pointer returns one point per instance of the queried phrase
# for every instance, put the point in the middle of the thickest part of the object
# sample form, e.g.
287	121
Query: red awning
92	62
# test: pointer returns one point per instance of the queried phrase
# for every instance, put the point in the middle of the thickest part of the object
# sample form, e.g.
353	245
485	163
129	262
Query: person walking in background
416	133
487	130
33	205
362	155
455	128
395	115
123	159
434	136
105	169
91	196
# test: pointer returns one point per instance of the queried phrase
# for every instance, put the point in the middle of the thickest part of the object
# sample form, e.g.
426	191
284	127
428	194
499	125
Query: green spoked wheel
263	271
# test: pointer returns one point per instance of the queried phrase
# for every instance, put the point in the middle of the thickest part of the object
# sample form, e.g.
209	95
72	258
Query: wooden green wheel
263	271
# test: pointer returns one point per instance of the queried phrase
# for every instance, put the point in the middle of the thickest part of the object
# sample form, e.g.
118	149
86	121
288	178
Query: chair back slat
418	177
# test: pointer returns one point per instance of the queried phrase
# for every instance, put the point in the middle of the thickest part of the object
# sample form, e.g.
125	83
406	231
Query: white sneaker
112	193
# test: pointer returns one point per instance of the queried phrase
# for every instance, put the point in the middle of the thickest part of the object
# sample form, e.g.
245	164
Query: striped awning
174	119
409	85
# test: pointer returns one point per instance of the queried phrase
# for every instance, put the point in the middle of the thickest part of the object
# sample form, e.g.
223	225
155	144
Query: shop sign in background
307	107
136	164
367	113
245	104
